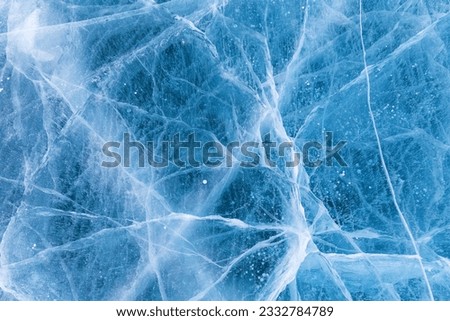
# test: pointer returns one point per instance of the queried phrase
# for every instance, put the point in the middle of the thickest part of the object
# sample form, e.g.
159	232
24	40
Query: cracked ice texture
76	74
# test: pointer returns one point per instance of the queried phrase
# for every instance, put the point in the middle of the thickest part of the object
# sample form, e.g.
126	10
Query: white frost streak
383	163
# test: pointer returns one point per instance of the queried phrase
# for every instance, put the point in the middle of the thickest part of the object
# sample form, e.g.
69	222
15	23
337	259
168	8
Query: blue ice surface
76	74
